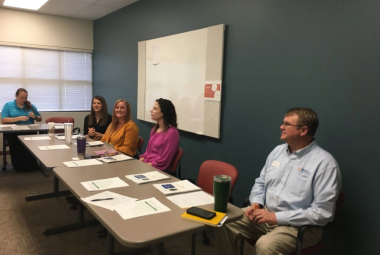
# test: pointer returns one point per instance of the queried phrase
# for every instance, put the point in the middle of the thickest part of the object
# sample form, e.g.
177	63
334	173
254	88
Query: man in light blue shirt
299	185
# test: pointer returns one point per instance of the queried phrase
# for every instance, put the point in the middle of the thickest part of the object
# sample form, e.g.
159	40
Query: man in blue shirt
298	185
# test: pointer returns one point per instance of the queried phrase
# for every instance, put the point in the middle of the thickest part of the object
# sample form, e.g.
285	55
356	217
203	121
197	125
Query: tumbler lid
222	178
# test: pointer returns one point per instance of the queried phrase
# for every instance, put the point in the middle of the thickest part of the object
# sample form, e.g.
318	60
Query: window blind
55	80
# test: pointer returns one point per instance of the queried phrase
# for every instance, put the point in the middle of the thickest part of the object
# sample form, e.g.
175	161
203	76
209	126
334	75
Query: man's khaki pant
271	239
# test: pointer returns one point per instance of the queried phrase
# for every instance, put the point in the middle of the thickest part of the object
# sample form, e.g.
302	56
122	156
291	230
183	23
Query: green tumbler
222	186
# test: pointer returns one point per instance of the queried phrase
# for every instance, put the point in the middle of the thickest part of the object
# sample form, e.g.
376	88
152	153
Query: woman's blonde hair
115	120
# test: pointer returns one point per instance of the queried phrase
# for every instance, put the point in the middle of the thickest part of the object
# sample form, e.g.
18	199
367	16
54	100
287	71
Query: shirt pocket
299	181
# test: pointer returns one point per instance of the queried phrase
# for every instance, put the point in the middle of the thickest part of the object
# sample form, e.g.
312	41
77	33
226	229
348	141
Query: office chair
140	143
301	230
206	174
62	120
5	145
176	162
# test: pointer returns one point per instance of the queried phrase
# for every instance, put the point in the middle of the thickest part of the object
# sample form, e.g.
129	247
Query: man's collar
302	152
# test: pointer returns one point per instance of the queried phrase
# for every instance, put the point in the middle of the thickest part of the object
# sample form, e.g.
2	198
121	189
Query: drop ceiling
81	9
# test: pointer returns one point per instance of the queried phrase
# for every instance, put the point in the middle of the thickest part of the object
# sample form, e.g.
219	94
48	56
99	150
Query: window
55	80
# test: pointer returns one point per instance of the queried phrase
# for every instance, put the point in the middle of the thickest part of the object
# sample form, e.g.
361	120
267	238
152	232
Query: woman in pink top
164	137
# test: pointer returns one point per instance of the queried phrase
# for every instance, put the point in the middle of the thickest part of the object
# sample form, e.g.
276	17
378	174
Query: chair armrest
246	202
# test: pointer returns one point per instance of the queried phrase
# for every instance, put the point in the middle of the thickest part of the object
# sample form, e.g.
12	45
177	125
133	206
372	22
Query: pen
95	185
150	205
101	199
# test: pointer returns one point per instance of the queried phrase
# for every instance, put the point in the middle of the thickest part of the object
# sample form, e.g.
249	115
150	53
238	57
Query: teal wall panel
278	54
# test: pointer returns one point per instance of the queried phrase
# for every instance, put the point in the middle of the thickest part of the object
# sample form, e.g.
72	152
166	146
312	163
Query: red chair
209	169
176	162
301	230
140	143
62	120
206	174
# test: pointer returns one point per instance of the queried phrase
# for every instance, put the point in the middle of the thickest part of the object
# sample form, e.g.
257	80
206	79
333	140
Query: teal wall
278	54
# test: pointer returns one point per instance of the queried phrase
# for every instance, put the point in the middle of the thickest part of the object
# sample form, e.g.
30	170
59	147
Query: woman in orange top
122	133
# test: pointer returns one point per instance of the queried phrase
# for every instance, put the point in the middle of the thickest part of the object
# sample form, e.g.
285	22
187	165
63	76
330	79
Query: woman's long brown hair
104	112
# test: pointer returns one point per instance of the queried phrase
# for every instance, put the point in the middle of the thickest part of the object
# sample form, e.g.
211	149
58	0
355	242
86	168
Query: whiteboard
187	69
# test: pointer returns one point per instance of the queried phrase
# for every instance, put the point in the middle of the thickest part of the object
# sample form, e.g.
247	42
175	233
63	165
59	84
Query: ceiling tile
63	7
94	12
115	3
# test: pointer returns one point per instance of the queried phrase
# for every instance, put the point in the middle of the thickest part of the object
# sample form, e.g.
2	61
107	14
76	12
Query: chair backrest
140	143
339	201
176	162
210	168
60	120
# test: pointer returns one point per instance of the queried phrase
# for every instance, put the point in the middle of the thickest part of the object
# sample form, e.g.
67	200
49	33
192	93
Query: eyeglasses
289	125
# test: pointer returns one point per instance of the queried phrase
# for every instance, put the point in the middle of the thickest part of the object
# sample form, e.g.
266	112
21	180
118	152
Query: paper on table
37	138
117	201
103	184
62	137
115	158
142	208
188	200
95	143
19	127
147	177
176	187
53	147
86	162
92	144
8	125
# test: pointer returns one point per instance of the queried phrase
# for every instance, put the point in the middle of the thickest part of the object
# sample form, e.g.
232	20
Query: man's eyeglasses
289	125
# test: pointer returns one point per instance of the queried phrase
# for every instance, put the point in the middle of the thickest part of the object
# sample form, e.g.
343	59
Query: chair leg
206	240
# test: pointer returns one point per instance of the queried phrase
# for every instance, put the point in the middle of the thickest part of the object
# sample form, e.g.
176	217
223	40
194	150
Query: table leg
4	154
159	249
55	193
81	224
193	237
131	251
110	244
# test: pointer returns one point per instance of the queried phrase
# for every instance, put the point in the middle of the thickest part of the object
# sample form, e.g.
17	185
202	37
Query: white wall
28	29
78	120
